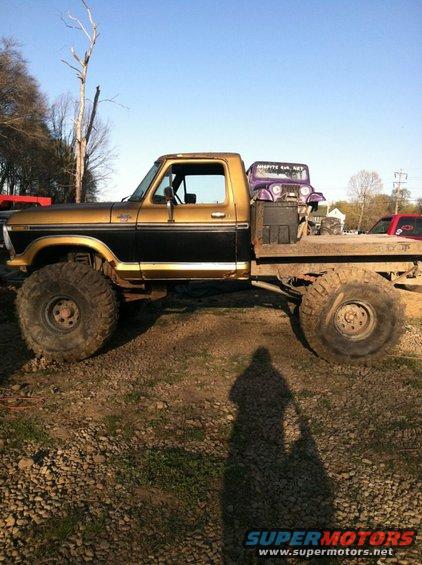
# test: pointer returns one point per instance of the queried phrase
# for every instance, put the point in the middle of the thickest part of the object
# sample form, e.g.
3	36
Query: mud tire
330	226
97	310
321	307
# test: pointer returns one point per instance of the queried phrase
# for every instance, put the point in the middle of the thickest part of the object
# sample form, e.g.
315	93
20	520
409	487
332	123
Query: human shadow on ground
272	479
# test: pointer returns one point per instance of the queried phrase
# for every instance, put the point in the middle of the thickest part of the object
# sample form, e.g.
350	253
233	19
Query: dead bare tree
363	186
82	133
99	155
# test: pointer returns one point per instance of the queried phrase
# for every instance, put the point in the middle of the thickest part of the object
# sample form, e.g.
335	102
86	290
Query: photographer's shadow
272	479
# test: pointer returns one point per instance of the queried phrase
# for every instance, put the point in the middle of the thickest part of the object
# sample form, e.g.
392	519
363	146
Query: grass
24	430
239	362
173	470
116	422
324	402
398	362
307	363
317	427
56	530
134	397
194	434
94	529
401	425
413	383
113	422
305	393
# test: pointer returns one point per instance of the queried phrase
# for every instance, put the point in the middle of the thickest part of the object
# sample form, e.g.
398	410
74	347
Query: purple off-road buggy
271	181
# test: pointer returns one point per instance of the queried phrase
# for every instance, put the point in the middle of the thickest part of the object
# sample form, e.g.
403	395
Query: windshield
381	226
280	171
145	183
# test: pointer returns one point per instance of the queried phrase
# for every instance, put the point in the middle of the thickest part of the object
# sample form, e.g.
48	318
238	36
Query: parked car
404	225
10	204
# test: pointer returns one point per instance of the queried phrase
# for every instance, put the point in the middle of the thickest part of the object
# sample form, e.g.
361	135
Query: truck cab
207	236
404	225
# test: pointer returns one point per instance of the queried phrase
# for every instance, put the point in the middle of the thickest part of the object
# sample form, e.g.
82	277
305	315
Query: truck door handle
218	215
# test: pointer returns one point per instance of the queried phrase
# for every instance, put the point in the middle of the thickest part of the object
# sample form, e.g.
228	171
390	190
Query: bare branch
76	56
113	101
71	66
80	25
89	14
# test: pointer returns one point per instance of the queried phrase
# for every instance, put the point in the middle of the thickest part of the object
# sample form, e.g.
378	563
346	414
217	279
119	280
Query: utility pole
397	186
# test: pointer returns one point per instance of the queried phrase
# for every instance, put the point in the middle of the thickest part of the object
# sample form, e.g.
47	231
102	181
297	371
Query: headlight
8	241
276	188
305	190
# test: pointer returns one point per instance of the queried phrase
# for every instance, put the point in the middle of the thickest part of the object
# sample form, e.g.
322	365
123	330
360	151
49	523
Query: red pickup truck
404	225
10	204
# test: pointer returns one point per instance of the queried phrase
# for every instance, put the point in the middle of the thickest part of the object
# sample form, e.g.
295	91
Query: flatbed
344	246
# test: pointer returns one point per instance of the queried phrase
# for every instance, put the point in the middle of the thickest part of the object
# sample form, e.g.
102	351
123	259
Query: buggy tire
351	316
67	311
330	226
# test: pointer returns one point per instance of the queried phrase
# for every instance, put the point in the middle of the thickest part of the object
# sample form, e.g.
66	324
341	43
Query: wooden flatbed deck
343	246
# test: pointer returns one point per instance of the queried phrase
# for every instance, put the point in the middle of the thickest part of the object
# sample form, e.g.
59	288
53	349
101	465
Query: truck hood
90	213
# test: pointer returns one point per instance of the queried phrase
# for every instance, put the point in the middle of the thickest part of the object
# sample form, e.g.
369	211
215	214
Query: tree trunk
79	139
361	214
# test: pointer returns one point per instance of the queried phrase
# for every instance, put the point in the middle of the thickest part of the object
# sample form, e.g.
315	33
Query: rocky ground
201	419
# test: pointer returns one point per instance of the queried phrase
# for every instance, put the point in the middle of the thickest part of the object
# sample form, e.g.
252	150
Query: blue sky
333	83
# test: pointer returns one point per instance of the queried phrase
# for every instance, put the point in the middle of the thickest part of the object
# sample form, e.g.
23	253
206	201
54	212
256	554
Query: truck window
406	226
382	226
418	229
194	183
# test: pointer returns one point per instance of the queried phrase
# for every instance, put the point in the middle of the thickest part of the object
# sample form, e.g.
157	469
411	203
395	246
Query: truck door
200	242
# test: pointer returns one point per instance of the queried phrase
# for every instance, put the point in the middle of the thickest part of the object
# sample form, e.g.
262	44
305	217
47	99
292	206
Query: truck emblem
124	218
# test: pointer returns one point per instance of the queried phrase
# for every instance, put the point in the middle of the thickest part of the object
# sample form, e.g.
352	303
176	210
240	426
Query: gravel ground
202	418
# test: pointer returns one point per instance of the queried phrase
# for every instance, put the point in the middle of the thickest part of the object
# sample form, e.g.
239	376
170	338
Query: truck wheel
351	316
66	311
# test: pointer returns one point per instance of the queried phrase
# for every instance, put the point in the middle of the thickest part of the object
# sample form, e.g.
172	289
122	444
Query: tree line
367	202
37	139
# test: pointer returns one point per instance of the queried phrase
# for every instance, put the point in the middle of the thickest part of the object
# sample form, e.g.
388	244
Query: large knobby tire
351	316
330	226
66	311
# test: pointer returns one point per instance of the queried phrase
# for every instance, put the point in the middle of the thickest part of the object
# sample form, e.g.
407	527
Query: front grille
291	188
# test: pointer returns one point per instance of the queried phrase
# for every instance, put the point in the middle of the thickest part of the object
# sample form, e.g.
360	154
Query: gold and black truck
192	218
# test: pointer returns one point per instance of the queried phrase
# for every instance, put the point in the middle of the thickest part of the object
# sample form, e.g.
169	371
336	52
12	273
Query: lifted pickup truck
191	218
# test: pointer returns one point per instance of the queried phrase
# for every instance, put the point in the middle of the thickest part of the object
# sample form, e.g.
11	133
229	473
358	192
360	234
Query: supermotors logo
323	543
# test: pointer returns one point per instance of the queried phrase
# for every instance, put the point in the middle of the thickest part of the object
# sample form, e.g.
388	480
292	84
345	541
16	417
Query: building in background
336	213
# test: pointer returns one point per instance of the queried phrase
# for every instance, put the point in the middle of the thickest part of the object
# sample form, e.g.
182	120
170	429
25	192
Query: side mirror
190	198
169	196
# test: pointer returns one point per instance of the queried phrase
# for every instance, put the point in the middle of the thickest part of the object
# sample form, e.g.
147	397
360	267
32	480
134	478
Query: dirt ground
201	419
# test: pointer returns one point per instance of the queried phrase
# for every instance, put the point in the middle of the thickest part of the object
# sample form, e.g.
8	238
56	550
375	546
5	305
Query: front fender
27	258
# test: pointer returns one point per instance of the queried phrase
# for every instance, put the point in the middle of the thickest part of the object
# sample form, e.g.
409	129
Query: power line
397	186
